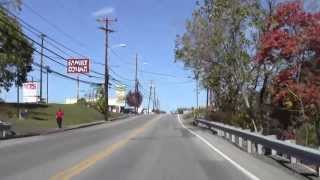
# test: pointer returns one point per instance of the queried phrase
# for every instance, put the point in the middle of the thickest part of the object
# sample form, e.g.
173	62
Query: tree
291	43
100	105
216	45
15	53
134	99
11	4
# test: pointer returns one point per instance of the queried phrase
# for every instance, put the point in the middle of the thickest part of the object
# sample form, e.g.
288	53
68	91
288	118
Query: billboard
78	66
121	95
30	92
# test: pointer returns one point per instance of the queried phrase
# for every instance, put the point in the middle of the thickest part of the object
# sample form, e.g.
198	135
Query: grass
41	117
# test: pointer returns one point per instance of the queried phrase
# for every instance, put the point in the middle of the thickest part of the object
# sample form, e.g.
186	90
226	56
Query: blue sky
148	27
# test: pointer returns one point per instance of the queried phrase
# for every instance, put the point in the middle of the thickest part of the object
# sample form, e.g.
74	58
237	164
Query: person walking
59	117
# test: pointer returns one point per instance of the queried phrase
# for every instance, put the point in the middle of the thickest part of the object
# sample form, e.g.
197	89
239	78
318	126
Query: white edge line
246	172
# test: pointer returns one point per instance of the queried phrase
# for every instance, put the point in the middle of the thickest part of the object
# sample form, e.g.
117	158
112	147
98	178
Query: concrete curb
68	128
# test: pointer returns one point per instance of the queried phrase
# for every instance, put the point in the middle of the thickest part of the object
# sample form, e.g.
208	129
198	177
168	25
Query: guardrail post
227	135
249	146
233	138
273	152
293	159
240	142
260	152
3	133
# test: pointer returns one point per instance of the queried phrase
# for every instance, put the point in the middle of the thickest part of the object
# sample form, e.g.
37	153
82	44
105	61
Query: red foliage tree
292	42
134	99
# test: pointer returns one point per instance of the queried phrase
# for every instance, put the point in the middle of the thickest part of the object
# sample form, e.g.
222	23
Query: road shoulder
262	167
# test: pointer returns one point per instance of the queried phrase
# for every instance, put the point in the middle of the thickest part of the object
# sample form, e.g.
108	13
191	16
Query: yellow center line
93	159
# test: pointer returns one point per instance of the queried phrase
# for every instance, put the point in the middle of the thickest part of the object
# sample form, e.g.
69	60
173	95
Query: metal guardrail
4	128
296	152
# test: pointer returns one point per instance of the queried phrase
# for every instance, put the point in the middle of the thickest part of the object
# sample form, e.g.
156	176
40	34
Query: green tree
15	53
11	4
217	46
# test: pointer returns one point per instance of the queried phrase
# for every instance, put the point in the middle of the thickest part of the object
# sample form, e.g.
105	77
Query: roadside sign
30	91
76	65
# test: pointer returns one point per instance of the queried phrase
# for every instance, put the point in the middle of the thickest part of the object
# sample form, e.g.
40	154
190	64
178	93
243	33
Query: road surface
138	148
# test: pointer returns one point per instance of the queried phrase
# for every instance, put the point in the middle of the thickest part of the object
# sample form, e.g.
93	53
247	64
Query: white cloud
103	12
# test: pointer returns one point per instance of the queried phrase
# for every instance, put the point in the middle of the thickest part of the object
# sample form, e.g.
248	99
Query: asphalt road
139	148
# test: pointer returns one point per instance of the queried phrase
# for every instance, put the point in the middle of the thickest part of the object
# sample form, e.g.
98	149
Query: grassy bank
41	117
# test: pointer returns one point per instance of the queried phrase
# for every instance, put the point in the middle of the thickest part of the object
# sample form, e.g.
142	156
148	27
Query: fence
265	145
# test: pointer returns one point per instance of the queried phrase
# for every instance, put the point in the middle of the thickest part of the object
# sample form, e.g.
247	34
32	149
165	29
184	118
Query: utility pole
106	29
197	91
41	65
47	84
154	98
18	101
78	87
158	103
150	93
207	103
136	89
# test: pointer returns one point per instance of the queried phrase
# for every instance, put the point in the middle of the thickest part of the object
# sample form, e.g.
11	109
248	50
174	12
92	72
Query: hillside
42	117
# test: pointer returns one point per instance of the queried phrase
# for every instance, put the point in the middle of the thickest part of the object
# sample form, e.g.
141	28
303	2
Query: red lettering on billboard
78	66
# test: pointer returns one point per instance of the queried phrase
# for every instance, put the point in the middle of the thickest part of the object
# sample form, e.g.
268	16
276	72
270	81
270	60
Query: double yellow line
93	159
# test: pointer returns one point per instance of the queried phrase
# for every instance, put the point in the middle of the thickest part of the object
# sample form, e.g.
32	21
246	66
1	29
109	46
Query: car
129	111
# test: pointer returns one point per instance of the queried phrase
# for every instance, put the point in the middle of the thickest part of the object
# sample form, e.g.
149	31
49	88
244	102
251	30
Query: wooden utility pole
154	98
106	29
150	93
47	84
41	65
197	89
78	88
136	89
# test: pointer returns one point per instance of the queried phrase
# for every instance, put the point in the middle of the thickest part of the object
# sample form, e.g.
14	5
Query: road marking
238	166
93	159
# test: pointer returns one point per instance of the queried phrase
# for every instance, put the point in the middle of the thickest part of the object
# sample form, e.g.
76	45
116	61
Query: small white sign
30	92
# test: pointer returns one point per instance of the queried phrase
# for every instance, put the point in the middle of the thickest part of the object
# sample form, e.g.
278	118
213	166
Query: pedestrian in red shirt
59	117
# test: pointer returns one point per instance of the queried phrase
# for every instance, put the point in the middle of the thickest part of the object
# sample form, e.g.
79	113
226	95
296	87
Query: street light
122	45
118	45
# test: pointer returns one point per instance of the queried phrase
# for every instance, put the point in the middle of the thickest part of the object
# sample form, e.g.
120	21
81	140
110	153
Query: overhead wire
52	24
49	50
38	33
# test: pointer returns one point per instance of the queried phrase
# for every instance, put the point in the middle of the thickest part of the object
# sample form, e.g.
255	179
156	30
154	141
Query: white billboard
30	92
121	95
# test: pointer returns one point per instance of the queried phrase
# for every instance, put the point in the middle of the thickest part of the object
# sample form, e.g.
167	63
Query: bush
82	101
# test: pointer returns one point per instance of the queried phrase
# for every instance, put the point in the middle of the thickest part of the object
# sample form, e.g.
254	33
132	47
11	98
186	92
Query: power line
66	76
50	58
38	32
51	51
121	77
52	25
122	60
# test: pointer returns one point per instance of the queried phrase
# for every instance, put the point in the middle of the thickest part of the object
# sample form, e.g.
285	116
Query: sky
147	27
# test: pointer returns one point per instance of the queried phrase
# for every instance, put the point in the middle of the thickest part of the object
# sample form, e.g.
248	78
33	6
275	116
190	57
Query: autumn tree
291	43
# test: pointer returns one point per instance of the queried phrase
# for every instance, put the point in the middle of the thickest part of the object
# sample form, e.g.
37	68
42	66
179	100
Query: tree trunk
307	135
317	129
